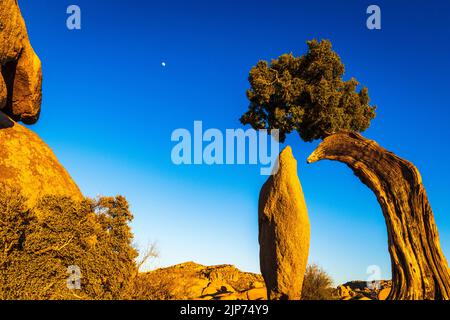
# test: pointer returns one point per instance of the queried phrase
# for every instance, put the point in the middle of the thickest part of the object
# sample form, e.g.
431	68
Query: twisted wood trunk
419	268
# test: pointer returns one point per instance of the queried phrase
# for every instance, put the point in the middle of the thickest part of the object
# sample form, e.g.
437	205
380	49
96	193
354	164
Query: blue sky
109	108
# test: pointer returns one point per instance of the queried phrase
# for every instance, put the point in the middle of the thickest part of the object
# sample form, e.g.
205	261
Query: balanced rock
284	231
20	67
28	164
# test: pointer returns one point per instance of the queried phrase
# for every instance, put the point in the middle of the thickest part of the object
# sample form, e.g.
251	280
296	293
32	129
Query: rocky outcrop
28	164
360	290
20	67
192	281
284	231
419	268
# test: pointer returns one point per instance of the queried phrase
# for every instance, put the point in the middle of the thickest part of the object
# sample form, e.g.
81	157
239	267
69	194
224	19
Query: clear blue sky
109	109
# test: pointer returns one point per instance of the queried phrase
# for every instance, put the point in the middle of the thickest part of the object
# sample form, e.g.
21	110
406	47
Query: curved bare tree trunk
419	268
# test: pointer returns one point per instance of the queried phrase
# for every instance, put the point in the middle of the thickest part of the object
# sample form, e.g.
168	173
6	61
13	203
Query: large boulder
28	164
284	231
20	67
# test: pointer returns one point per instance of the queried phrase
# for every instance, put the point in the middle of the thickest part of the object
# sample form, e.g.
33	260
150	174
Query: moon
163	64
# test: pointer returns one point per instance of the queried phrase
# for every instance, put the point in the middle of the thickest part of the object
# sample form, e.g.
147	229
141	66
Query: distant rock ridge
360	290
192	281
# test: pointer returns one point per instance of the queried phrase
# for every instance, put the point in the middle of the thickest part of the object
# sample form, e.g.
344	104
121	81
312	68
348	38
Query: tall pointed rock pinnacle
284	231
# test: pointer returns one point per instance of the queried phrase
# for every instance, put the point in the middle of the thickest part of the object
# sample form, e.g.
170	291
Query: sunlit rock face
284	231
28	164
21	73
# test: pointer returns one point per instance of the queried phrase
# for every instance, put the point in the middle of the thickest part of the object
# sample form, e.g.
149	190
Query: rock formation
419	268
192	281
20	67
27	163
284	231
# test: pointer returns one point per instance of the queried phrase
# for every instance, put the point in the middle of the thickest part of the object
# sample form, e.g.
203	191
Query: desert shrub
49	247
317	284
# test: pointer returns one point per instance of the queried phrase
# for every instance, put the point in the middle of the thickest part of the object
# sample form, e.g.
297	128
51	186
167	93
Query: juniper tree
306	94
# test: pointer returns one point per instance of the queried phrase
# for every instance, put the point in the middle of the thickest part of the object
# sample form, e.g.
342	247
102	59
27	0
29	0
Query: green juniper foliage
306	94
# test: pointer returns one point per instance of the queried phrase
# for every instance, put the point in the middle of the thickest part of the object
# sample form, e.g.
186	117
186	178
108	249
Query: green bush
44	248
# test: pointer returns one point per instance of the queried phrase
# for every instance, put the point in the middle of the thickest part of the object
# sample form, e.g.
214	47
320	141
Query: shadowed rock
419	268
27	163
284	231
20	67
